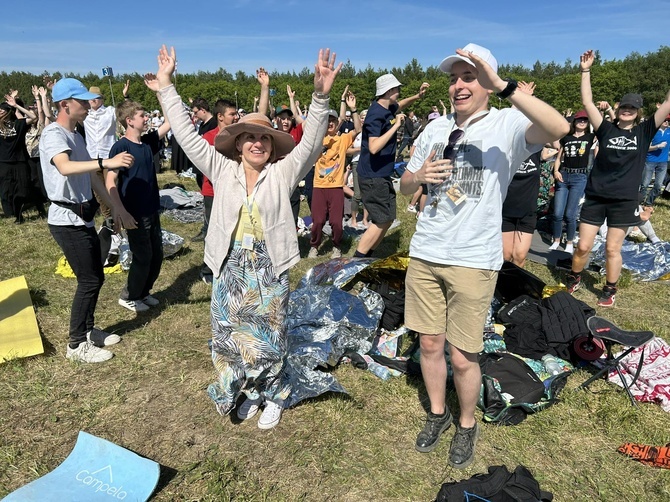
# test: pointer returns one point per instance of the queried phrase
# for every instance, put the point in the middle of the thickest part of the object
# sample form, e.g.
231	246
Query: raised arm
419	95
263	79
46	106
343	106
151	81
662	111
351	103
585	64
546	125
297	115
38	103
29	114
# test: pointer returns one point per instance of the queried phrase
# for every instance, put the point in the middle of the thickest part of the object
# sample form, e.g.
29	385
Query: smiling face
466	94
95	103
627	113
255	148
139	121
332	126
581	124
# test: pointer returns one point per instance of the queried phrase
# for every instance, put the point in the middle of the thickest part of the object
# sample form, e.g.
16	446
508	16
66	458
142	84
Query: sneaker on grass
248	409
86	352
151	301
134	305
336	253
271	416
101	338
573	282
313	253
607	297
462	450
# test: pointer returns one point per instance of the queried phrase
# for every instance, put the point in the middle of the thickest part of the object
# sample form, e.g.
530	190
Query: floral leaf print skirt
249	304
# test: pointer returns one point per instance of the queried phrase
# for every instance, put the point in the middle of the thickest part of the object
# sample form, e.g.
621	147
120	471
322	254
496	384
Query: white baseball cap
386	82
480	51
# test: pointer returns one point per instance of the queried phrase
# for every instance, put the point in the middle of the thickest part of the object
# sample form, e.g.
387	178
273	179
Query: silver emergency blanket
324	322
172	244
336	272
646	261
194	215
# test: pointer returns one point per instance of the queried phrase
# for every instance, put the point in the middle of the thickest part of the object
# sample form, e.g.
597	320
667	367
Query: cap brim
87	95
449	61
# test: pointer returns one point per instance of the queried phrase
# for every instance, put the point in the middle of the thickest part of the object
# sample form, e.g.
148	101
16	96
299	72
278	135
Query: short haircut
127	110
222	105
200	103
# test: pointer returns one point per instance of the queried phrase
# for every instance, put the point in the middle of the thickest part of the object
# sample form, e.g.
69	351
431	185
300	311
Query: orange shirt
330	168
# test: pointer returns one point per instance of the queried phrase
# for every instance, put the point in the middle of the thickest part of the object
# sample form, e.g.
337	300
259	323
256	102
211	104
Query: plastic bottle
551	364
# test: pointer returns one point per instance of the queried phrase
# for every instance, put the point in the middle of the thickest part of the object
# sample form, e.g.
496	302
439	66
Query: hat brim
449	61
225	140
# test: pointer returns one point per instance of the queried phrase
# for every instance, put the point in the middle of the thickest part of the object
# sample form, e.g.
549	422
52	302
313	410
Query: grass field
151	398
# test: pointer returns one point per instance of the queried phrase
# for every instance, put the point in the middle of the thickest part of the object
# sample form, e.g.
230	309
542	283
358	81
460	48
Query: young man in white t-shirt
468	159
69	177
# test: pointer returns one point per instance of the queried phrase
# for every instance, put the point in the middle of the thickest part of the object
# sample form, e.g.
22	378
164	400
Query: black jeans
81	247
146	245
208	202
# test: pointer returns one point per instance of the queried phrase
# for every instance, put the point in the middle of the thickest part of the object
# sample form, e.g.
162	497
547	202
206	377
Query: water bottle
551	364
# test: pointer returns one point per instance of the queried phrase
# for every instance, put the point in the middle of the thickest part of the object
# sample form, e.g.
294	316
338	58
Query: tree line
558	85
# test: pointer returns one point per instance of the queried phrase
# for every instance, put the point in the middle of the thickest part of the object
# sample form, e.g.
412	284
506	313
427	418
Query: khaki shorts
449	299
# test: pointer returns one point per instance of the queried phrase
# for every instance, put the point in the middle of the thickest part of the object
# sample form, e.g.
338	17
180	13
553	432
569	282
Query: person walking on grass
136	189
612	189
252	243
69	177
468	158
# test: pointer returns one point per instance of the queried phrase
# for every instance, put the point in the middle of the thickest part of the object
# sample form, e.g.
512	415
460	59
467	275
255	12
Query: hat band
257	122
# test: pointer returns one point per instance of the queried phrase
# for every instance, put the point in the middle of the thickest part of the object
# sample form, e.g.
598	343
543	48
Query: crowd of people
474	172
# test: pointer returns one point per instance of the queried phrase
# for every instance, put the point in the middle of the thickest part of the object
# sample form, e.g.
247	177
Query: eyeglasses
581	119
449	153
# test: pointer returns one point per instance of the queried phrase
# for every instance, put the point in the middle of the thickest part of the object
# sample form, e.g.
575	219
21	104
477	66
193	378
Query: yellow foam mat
19	334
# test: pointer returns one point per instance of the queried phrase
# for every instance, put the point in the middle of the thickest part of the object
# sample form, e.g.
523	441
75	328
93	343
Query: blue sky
285	35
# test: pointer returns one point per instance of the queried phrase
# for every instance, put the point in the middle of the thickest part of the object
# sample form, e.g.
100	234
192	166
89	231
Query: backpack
511	389
499	485
394	305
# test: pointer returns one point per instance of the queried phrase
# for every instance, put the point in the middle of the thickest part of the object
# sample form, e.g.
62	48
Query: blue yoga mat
95	470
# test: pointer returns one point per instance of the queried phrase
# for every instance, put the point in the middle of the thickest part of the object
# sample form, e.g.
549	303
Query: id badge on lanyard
248	236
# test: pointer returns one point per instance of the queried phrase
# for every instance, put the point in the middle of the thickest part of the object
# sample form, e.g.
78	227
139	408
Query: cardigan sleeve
301	159
203	155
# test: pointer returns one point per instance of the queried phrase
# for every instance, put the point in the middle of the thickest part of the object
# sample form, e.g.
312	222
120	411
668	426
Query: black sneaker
573	282
462	450
607	297
428	438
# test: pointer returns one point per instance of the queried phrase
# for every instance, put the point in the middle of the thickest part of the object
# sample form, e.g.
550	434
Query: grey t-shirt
73	188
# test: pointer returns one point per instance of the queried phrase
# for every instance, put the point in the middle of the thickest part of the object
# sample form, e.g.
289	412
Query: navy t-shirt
377	122
617	170
138	186
522	193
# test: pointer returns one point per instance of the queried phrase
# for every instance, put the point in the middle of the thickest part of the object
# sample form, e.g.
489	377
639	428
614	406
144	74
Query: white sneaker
336	253
313	253
569	248
270	417
411	209
554	245
101	338
133	305
151	301
248	409
86	352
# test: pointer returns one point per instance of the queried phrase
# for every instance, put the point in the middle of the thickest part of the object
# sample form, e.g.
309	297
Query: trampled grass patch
151	398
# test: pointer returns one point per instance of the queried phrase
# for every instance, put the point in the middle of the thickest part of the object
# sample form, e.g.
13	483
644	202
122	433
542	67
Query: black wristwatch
507	91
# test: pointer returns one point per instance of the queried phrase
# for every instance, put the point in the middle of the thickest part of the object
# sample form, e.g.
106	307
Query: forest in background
557	84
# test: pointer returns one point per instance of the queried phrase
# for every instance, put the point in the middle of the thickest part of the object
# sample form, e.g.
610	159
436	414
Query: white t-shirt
468	234
357	144
73	188
100	127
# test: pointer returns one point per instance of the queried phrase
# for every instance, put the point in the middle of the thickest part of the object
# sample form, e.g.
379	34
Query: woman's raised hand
325	71
167	62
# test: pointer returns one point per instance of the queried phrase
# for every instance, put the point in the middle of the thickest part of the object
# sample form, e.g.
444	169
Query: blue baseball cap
67	88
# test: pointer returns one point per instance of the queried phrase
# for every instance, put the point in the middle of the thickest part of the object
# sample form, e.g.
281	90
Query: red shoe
573	282
607	297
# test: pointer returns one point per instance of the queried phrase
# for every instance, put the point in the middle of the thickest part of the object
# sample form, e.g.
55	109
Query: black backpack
394	305
499	485
512	390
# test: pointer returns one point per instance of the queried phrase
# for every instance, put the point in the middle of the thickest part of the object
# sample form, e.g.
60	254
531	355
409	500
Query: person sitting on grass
252	242
136	189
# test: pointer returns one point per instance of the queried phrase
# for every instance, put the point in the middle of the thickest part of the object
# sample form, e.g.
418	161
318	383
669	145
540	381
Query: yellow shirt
330	168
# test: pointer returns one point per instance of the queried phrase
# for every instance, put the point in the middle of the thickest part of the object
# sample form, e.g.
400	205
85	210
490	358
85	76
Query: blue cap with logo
67	88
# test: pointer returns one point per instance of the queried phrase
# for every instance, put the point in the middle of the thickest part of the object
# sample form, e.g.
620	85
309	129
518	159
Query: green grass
151	398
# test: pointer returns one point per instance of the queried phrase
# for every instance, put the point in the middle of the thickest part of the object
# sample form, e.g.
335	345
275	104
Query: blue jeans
566	202
656	170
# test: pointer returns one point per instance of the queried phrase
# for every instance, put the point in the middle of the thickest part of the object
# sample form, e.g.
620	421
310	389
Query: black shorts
619	213
378	196
525	224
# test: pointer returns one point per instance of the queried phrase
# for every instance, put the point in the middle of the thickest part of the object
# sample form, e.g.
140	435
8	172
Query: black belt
579	170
